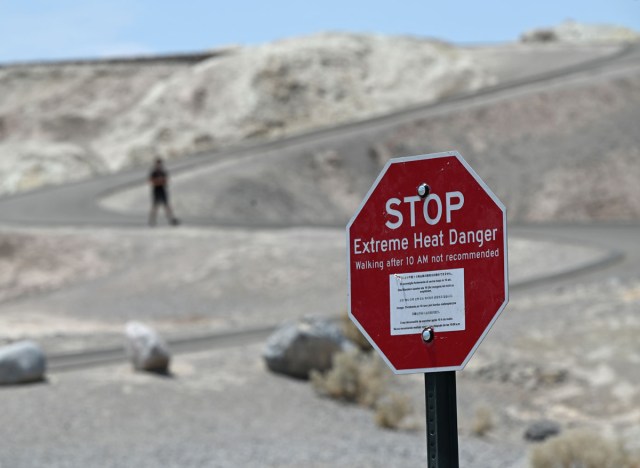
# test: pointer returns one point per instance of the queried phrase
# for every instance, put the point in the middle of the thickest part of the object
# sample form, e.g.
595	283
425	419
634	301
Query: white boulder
146	349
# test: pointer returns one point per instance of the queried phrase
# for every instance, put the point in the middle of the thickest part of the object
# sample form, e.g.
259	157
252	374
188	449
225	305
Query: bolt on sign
427	253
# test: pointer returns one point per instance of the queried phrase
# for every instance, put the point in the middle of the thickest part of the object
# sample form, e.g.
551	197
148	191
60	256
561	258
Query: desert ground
551	128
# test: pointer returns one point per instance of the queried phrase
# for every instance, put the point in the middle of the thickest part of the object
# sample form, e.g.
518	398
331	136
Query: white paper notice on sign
427	299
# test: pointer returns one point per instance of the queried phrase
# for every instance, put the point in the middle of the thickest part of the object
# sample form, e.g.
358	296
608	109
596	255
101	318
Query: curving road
76	204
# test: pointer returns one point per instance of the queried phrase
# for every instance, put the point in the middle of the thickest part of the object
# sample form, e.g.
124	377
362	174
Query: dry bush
355	376
482	421
363	378
352	333
392	410
582	449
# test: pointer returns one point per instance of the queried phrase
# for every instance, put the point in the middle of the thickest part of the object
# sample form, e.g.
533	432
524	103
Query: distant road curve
623	254
76	204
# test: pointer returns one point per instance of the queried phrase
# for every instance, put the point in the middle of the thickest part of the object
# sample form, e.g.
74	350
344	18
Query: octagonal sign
427	253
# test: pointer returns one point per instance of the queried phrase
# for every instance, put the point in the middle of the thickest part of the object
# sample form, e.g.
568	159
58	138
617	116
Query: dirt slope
567	152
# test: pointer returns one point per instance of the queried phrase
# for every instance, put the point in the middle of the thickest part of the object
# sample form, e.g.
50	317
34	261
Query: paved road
620	240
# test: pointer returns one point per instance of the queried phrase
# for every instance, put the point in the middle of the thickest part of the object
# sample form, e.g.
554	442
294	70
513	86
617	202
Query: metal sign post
442	419
428	277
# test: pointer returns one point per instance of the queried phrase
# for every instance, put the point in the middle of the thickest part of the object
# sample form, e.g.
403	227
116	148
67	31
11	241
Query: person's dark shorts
160	196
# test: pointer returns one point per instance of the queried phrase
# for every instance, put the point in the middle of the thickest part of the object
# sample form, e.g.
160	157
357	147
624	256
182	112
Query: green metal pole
442	419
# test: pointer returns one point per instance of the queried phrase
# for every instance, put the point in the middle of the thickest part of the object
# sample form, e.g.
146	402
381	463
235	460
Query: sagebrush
582	449
482	421
355	376
363	378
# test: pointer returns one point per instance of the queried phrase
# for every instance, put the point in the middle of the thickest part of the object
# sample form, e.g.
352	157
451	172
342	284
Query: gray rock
21	362
297	348
146	349
541	430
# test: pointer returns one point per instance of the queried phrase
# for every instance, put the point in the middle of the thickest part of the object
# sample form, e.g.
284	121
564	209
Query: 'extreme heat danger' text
452	237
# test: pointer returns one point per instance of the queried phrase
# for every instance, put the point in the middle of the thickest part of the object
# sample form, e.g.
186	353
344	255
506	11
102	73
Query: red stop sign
427	250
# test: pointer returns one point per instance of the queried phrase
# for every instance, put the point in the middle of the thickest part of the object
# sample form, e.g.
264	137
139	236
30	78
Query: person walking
158	179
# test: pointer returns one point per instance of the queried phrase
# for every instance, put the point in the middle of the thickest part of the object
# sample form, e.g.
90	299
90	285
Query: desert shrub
392	410
482	421
352	333
355	376
581	449
363	378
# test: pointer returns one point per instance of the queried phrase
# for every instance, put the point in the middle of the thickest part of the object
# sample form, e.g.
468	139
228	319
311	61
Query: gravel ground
223	408
220	409
573	354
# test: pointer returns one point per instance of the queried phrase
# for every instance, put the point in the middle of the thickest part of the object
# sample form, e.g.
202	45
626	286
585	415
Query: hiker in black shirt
159	196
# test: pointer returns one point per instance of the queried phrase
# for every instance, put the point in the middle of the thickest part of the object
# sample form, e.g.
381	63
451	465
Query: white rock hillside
61	123
51	115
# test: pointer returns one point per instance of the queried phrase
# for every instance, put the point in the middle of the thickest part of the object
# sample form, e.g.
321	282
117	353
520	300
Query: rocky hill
70	121
67	121
51	116
561	150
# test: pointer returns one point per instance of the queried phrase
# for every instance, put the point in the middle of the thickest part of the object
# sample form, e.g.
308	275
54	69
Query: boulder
297	348
21	362
542	430
146	348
